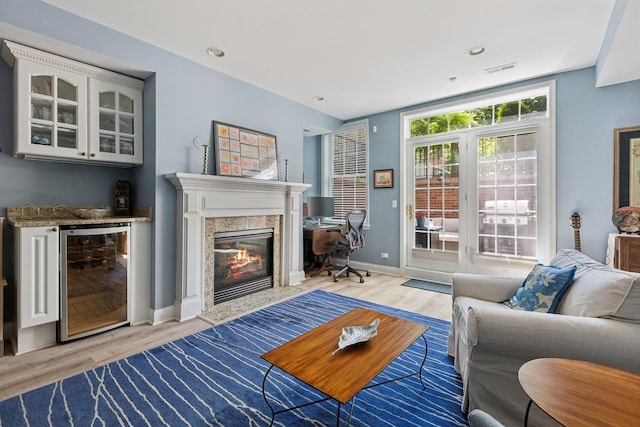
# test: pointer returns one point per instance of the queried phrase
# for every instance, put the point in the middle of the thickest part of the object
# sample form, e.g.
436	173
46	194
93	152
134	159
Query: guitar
576	223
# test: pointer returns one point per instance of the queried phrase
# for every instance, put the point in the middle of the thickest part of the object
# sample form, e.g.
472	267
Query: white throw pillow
598	290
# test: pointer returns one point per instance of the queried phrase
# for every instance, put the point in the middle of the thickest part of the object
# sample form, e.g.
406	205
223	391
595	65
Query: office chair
353	240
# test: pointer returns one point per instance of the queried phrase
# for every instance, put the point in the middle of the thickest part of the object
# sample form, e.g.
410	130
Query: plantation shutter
346	155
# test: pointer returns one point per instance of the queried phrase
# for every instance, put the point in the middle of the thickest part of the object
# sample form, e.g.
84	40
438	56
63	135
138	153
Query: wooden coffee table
342	375
579	393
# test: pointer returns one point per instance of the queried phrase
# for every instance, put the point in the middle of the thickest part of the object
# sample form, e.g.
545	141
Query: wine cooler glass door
94	291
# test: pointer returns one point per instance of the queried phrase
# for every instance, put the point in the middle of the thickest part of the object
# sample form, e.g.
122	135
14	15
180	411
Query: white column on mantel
203	196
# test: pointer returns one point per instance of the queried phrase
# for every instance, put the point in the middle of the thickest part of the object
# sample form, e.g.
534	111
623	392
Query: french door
472	202
435	230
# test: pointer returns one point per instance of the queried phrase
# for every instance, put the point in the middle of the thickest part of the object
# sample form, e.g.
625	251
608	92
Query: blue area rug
428	286
215	377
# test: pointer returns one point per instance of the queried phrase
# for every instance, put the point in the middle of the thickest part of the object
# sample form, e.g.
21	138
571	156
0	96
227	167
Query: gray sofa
597	319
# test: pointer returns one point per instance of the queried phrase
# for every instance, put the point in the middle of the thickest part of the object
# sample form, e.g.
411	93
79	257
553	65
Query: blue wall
312	163
585	119
181	99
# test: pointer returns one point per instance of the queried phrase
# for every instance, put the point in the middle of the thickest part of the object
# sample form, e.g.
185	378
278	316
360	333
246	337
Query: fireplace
211	204
243	263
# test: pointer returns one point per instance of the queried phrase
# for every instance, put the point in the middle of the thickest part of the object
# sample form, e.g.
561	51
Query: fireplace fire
243	263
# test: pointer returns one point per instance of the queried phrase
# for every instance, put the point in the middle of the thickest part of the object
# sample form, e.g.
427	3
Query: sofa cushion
599	290
542	289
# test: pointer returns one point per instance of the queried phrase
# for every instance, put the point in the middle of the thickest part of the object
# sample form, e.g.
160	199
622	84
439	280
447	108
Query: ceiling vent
500	68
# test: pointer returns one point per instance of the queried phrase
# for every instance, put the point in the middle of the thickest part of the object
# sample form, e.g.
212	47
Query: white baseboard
384	269
296	277
162	315
429	275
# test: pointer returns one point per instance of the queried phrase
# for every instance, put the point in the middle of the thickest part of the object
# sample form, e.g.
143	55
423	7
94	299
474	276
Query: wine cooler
94	279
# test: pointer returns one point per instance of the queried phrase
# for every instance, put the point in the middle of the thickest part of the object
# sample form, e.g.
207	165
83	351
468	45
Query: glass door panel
435	240
42	85
126	124
67	90
117	123
507	194
54	112
108	100
107	121
67	114
41	109
92	257
436	196
41	134
67	138
107	143
126	146
125	104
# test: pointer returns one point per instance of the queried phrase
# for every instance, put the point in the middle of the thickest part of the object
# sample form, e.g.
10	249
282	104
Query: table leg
526	415
426	350
264	395
353	403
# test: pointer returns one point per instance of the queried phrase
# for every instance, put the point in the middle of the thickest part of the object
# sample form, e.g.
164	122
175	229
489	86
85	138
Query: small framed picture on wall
383	178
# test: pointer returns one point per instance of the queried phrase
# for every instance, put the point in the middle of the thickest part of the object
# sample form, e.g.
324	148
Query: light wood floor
28	371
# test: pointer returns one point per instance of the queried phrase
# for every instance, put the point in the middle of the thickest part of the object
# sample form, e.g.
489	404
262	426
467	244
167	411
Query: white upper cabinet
115	120
70	111
50	120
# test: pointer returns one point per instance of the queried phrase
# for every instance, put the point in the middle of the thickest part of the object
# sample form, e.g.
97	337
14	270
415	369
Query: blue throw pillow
542	289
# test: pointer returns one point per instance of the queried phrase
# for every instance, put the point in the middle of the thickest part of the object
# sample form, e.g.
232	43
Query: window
489	164
345	167
526	107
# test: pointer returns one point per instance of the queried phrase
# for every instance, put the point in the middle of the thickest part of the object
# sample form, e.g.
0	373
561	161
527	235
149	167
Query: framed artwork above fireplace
243	152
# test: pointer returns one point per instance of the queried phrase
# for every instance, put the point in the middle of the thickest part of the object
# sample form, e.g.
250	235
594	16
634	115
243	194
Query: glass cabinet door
116	123
53	111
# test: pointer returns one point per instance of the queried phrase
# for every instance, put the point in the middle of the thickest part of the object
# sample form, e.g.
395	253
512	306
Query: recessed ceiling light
318	98
477	50
213	51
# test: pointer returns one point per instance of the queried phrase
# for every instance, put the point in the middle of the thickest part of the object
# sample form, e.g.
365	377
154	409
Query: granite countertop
55	215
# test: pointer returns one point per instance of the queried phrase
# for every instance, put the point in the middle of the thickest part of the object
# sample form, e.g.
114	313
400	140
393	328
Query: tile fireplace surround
231	200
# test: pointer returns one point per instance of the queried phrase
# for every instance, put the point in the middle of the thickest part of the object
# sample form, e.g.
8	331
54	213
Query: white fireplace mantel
203	196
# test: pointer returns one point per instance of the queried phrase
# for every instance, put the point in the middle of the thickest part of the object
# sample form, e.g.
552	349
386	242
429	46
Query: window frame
546	175
327	165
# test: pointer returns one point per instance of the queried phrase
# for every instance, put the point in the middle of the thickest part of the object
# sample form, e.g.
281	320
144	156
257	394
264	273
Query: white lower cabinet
37	276
38	283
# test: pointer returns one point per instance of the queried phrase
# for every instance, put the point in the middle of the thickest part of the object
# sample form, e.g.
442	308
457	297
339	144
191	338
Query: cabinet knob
83	154
93	154
54	229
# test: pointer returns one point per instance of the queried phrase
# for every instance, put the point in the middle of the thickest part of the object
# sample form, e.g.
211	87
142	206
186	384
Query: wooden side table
579	393
628	252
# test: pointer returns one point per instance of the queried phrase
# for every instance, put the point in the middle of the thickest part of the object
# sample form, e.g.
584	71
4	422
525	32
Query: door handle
410	211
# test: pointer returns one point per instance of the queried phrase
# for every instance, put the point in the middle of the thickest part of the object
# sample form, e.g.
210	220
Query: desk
318	244
579	393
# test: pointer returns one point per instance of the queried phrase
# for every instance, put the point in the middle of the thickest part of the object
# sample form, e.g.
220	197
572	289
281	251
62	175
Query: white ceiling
370	56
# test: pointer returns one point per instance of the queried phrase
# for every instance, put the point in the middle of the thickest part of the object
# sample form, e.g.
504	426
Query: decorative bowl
92	213
356	334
